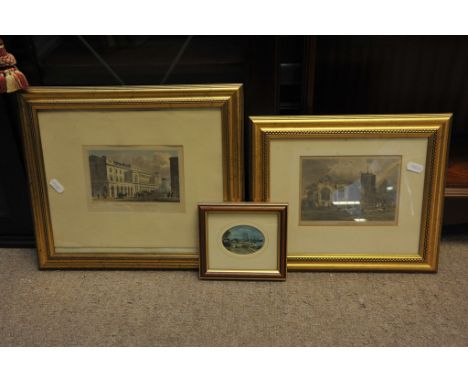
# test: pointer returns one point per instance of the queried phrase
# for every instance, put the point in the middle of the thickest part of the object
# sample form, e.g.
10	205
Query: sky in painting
348	169
243	231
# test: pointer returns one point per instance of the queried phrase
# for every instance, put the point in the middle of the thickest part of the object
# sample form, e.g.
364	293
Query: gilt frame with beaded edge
243	216
435	128
223	101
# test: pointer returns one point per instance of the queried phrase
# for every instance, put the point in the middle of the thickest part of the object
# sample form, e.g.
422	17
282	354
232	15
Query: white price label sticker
415	167
55	184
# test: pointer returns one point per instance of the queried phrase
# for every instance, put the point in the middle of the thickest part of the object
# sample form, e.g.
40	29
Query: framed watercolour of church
364	192
116	173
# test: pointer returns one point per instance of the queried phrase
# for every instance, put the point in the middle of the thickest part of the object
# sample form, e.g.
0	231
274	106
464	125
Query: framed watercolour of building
364	192
116	173
243	241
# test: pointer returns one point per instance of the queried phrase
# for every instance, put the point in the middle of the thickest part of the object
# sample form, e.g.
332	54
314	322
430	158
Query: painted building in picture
364	192
174	166
325	192
115	180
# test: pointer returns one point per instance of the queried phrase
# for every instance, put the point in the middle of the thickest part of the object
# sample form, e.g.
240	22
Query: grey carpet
174	308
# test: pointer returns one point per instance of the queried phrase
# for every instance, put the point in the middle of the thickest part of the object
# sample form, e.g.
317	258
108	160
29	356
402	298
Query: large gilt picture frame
116	172
364	192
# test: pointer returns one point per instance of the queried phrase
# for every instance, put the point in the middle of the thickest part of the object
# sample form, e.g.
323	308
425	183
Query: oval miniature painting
243	239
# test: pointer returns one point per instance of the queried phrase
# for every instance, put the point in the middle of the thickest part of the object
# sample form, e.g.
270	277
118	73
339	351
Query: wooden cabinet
15	214
399	74
281	74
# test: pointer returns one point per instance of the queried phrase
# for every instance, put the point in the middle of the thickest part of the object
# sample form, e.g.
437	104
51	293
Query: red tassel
21	79
7	59
12	80
3	87
11	84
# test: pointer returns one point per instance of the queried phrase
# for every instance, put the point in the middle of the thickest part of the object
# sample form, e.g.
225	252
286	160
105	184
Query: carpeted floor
174	308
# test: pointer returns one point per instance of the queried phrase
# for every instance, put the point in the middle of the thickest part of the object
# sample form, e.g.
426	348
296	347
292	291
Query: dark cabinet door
281	75
15	216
